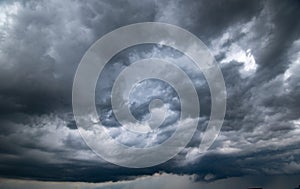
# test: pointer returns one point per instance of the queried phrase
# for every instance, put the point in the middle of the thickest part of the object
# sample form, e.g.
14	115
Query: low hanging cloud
256	43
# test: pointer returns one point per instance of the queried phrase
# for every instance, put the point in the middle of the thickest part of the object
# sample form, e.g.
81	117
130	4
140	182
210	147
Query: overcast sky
256	44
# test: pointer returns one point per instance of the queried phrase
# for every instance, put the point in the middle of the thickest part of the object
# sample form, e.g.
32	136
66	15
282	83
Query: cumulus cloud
256	43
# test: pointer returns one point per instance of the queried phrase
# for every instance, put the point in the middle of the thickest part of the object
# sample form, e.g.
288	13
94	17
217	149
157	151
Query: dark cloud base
42	42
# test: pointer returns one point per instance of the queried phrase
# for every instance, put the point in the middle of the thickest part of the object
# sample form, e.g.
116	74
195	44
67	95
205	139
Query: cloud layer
256	43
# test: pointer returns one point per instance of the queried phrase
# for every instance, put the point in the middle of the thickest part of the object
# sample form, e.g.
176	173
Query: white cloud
294	58
240	50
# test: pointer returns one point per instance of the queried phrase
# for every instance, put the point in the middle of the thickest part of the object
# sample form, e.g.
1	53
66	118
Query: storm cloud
256	44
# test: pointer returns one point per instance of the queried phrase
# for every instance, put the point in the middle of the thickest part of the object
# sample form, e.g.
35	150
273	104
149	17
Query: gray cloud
256	43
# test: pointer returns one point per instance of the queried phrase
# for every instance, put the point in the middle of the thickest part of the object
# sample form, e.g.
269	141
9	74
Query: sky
257	47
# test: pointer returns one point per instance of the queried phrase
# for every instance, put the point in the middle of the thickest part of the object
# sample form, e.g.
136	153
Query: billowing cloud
256	43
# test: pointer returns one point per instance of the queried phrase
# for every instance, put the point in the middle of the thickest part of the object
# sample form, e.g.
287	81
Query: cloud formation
256	43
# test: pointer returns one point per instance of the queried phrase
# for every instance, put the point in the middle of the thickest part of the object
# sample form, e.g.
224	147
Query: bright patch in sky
236	53
295	61
6	14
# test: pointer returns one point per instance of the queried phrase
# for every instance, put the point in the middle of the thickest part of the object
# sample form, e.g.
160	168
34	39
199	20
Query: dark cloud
256	43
